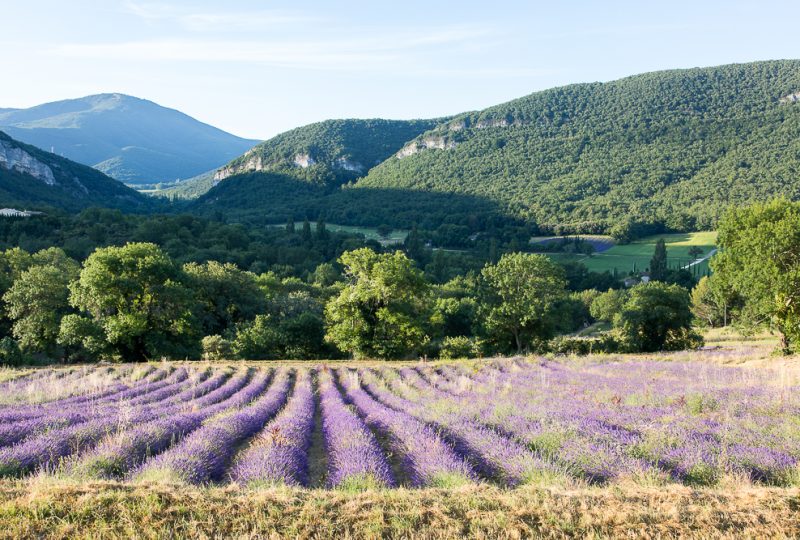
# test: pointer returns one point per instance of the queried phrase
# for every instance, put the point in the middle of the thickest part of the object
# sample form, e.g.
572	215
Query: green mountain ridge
667	147
33	178
133	140
316	160
672	148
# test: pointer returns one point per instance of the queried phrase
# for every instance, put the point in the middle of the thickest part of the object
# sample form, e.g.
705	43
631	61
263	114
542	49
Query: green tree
305	233
10	353
13	262
521	291
656	317
225	295
215	347
711	304
605	306
259	339
136	296
382	310
759	261
82	339
384	230
37	301
658	264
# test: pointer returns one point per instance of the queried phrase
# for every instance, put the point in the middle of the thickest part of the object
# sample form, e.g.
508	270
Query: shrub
215	348
459	347
10	353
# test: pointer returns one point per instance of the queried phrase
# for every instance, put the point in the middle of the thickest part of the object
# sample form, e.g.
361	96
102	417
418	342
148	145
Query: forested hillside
33	178
326	154
660	151
673	147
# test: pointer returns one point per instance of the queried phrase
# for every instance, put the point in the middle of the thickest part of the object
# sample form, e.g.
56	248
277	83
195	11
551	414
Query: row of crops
506	422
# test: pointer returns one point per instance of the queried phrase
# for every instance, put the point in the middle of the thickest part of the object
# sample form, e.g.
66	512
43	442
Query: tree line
134	302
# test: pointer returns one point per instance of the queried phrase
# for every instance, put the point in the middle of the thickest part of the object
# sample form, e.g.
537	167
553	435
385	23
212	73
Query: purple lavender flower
355	459
203	456
278	456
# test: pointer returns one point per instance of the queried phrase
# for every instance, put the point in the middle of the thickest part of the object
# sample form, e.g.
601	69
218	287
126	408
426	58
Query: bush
215	348
656	317
459	347
10	353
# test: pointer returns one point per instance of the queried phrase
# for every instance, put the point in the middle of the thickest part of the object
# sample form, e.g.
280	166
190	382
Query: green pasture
636	255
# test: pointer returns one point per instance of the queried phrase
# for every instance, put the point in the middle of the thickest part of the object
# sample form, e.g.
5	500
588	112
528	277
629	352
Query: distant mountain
33	178
133	140
326	155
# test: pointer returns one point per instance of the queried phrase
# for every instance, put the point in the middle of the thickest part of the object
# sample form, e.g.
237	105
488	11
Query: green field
636	255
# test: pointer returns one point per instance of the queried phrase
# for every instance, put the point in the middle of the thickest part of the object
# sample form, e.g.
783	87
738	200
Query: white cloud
405	49
206	21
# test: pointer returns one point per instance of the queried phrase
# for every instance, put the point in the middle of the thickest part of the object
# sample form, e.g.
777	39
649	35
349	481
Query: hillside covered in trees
326	154
30	177
671	149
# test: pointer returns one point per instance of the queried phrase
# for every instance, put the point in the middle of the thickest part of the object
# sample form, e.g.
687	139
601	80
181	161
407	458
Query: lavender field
504	423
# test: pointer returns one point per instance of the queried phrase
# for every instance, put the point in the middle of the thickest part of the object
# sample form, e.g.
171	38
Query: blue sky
257	68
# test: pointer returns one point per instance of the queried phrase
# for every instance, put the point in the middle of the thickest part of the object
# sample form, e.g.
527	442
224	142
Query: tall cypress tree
658	264
306	233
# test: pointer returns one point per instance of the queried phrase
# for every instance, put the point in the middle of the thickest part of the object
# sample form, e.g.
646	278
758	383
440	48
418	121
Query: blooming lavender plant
355	459
203	456
279	455
428	460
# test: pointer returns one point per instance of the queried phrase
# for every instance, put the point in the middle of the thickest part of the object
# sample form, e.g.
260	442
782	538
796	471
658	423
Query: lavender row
279	455
203	456
355	459
51	448
75	413
428	460
117	455
490	453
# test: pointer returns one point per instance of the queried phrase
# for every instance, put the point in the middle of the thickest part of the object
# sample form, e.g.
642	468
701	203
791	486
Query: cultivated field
696	443
637	254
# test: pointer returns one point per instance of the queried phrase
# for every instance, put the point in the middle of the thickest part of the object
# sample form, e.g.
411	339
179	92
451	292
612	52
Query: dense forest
326	154
661	151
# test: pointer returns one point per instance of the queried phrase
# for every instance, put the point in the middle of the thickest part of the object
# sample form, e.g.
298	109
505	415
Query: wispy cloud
390	50
202	21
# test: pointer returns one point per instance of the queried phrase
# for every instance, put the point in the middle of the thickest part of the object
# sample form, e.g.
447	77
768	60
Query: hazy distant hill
133	140
672	147
32	178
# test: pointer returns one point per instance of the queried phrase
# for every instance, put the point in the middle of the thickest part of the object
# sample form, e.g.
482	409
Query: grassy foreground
50	510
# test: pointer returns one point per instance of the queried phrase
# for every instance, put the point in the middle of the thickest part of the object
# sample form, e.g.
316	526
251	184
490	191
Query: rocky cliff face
428	143
252	164
791	98
14	158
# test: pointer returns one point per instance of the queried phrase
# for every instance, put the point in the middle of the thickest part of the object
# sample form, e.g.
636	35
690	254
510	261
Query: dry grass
57	510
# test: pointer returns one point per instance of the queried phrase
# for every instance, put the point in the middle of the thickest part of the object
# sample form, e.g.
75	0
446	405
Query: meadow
699	442
625	258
